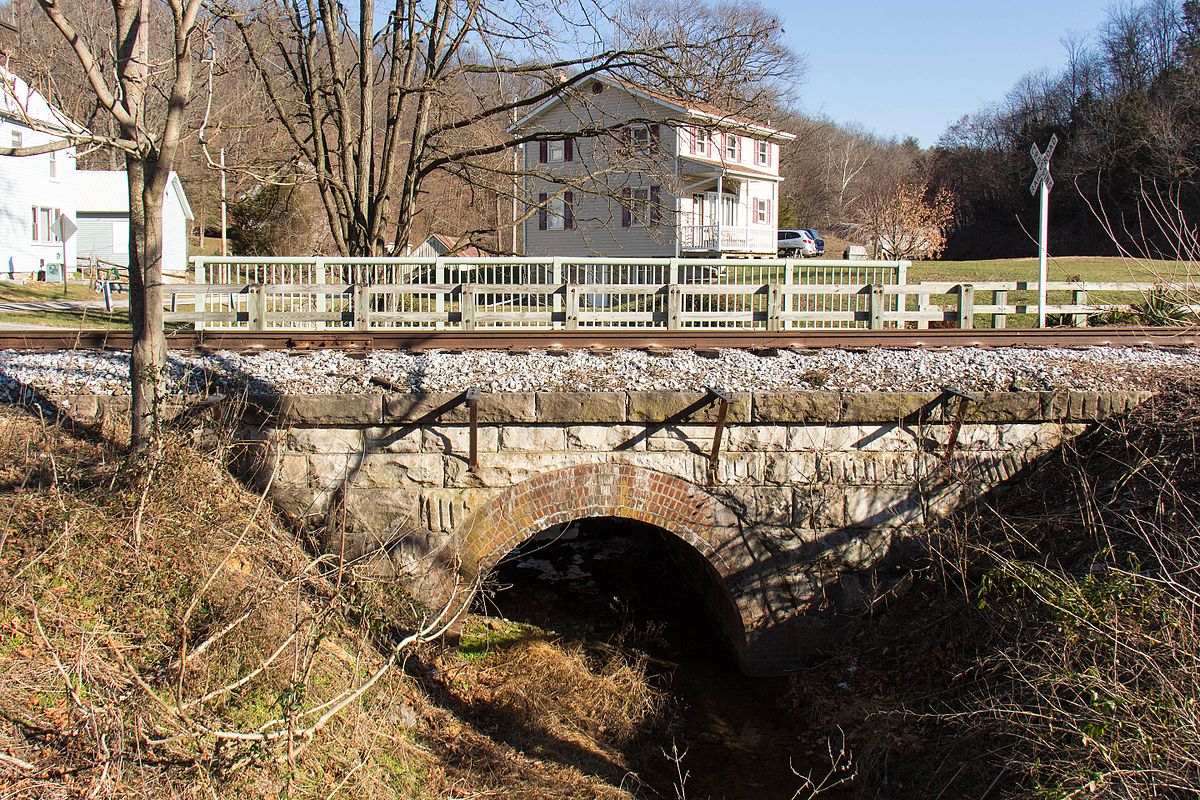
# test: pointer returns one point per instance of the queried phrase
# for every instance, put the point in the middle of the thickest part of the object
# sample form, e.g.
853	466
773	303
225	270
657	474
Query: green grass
85	318
1086	268
13	292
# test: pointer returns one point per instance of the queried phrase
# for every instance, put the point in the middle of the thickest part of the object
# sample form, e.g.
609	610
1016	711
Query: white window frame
54	164
43	224
556	213
556	151
762	156
639	207
762	211
736	142
16	139
729	207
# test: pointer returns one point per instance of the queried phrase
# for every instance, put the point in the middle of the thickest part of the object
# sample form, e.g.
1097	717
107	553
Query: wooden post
876	306
572	321
1080	298
362	307
439	299
674	307
467	306
1000	298
922	306
901	297
556	309
774	307
258	307
789	298
966	306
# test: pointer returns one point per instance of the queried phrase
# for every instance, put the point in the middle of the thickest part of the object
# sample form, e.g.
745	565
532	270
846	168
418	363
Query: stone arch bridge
806	506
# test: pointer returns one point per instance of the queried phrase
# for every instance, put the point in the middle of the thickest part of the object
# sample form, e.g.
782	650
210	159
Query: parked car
816	237
797	242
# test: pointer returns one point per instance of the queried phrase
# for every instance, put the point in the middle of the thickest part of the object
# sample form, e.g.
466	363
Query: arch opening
611	576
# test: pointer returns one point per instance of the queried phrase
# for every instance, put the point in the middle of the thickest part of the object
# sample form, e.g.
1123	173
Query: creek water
743	737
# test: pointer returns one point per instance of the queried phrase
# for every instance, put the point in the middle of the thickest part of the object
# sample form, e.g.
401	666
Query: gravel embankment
737	370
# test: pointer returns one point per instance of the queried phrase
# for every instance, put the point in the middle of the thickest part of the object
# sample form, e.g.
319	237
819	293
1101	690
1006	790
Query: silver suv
796	242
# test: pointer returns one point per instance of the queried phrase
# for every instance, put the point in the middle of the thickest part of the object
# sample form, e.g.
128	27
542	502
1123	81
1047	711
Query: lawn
1086	268
84	318
15	292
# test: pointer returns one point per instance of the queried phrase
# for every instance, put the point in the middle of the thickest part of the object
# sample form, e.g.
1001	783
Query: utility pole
1043	183
224	219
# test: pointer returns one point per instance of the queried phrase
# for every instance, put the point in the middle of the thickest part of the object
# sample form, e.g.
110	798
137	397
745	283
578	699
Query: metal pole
1043	231
224	218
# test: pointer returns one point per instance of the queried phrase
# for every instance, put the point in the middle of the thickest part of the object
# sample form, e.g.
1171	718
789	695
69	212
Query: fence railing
665	294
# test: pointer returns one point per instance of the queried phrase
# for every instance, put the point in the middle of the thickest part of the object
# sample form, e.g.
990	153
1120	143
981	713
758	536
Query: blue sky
912	68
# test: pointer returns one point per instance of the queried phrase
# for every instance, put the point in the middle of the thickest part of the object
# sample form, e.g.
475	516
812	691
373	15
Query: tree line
1126	108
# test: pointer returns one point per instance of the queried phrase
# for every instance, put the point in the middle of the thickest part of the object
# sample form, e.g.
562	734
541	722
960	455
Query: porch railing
732	238
664	294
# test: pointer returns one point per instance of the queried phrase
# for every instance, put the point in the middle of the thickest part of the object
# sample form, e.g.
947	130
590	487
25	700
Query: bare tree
146	106
376	108
902	222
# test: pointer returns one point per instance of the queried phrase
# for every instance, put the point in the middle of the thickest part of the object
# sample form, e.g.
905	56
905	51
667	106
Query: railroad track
202	341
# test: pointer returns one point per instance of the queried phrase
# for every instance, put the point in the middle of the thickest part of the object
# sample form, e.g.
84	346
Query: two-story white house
631	172
35	191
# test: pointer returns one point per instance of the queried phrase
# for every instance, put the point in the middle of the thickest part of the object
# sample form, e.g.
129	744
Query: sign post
1043	183
64	228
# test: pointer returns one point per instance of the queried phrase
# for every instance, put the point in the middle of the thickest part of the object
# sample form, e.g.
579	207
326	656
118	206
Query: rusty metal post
714	457
473	421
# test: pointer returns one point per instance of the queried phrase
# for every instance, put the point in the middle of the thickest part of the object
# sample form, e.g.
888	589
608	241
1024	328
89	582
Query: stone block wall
812	510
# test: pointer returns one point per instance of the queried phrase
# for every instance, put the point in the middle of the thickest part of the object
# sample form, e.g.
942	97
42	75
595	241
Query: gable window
733	147
16	138
639	136
763	156
556	152
53	163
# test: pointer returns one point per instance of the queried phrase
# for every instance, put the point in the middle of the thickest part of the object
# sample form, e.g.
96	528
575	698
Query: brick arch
624	491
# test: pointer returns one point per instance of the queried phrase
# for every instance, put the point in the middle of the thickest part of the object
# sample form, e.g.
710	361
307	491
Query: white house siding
25	183
597	208
104	220
677	171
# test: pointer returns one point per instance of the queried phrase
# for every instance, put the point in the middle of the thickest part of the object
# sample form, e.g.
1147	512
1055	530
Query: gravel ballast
876	369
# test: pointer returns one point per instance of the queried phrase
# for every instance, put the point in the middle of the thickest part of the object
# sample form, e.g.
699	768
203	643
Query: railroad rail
209	341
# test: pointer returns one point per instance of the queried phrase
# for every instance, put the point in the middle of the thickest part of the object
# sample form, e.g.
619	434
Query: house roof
23	104
443	244
677	104
107	192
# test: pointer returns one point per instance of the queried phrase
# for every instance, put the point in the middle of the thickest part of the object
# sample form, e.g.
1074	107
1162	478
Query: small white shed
103	219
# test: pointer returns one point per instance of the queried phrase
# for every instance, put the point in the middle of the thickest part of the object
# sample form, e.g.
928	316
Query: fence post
674	307
966	306
466	306
789	299
1080	299
922	307
876	306
774	307
321	303
362	307
572	321
439	298
556	299
199	301
901	297
258	307
1000	298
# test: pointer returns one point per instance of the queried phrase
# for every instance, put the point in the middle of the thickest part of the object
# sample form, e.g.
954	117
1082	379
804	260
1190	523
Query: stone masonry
812	511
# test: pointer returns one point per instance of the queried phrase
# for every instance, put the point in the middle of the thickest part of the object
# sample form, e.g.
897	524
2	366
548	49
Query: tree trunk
148	355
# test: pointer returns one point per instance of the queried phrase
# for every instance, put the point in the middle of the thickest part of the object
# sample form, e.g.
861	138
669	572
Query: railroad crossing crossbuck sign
1042	160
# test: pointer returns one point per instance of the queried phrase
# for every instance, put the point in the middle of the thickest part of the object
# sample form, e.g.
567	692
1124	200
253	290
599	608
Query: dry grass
163	635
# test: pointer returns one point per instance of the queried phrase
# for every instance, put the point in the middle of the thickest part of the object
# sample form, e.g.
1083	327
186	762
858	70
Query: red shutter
770	154
542	211
695	138
542	152
568	209
770	217
569	149
654	135
655	213
626	215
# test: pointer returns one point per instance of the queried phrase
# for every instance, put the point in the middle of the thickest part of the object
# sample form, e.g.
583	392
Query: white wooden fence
567	293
